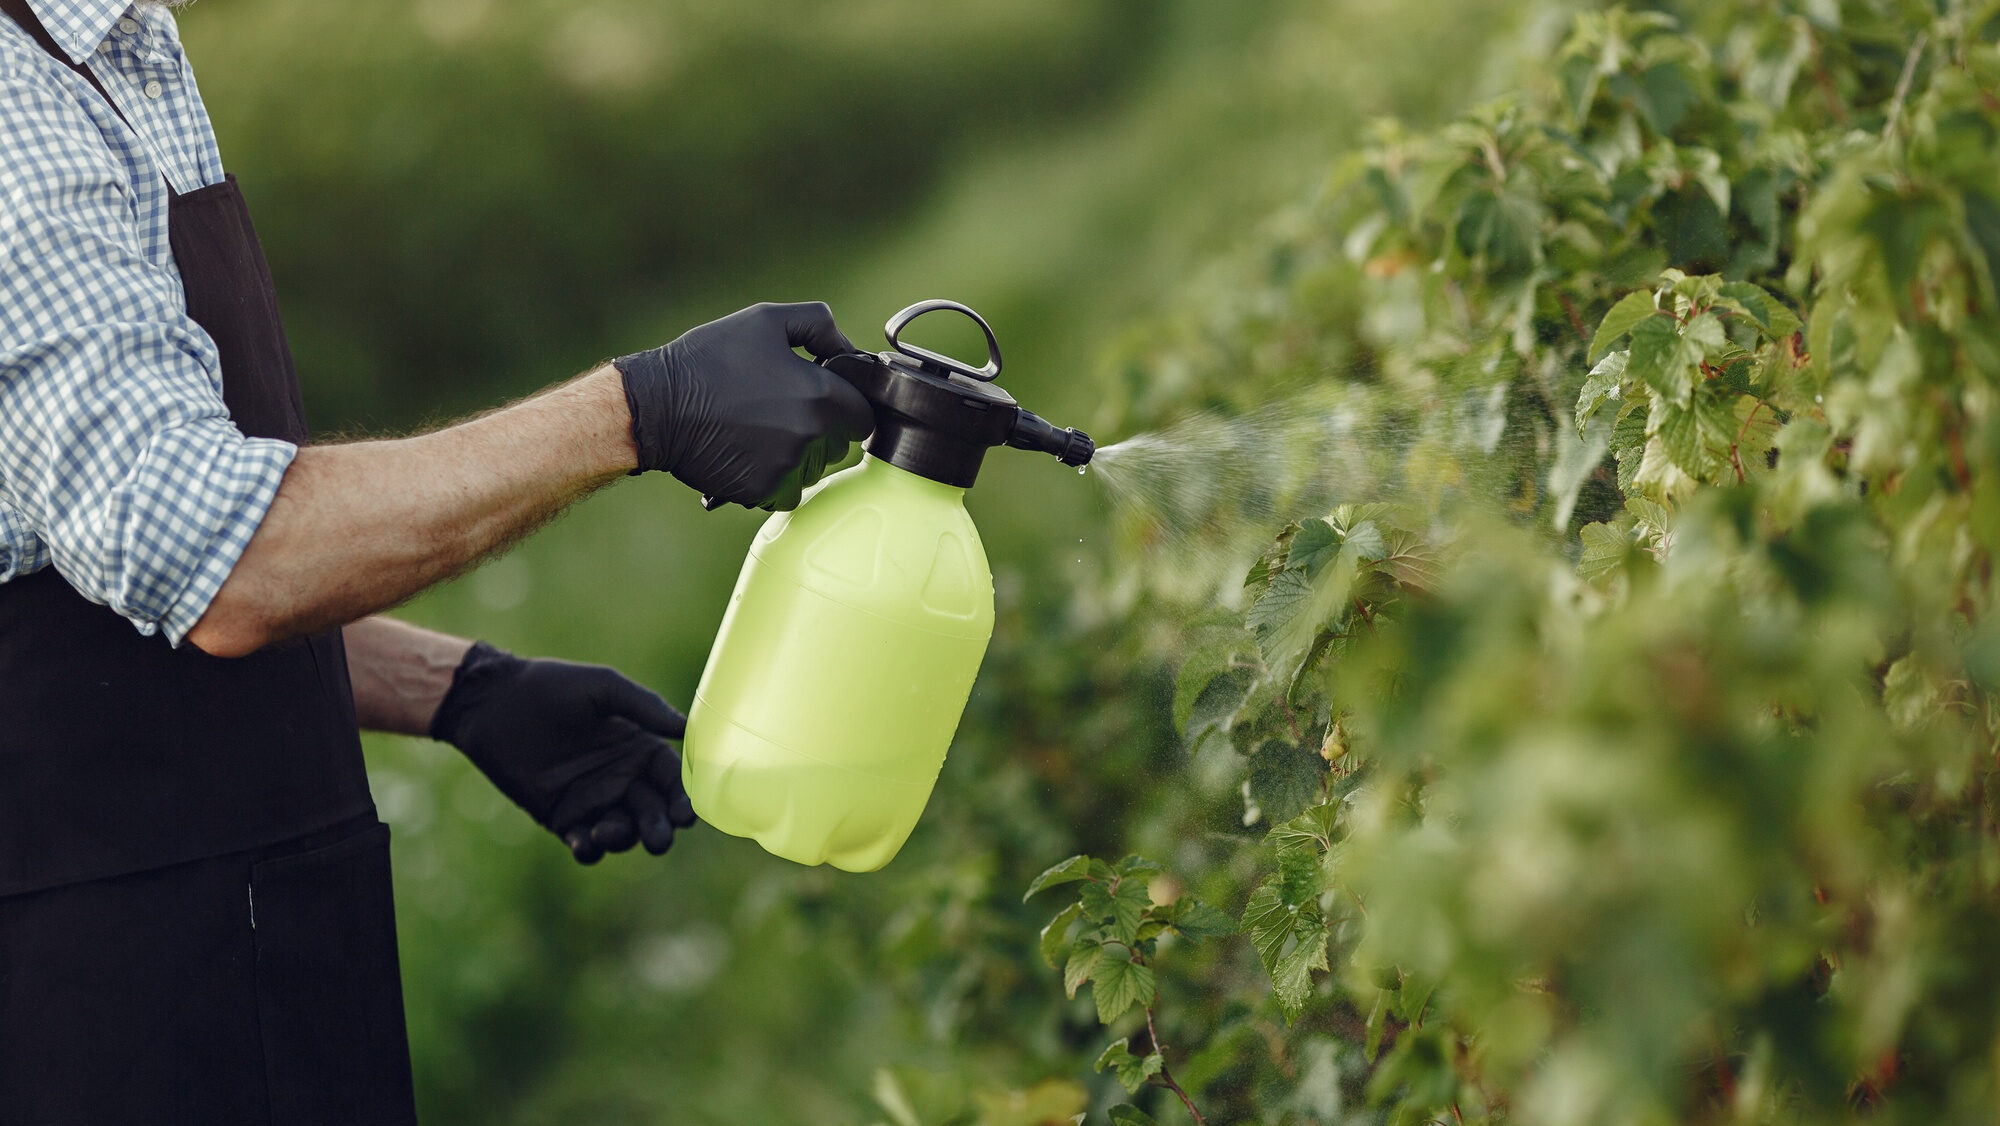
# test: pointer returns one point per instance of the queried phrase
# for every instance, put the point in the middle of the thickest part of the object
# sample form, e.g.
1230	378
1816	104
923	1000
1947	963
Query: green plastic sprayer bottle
860	618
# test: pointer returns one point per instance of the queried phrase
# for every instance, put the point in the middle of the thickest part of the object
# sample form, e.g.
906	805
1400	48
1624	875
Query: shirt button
153	89
128	25
104	48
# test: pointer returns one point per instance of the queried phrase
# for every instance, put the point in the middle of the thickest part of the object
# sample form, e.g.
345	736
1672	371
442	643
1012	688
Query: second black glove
581	748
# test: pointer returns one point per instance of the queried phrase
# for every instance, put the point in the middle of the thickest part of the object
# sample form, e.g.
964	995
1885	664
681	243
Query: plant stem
1575	321
1826	85
1903	83
1736	451
1491	152
1165	1076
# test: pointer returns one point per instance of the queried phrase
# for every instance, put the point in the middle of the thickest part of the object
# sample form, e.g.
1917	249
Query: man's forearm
360	527
400	673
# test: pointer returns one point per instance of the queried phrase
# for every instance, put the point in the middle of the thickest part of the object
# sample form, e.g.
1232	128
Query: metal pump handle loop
902	320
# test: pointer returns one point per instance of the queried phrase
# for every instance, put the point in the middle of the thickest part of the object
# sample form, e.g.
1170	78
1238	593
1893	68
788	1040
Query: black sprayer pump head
936	416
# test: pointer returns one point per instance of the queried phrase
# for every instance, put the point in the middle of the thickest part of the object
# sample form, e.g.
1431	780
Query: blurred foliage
1596	740
528	177
1637	765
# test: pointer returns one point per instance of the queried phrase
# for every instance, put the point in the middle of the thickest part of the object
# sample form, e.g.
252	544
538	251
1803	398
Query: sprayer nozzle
1081	449
1069	446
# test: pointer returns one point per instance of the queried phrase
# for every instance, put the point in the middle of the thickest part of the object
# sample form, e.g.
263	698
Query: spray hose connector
936	416
1068	444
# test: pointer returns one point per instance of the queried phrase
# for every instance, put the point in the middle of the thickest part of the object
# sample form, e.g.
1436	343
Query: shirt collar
78	26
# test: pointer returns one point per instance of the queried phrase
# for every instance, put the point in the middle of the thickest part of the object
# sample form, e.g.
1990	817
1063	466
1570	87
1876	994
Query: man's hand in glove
580	747
732	411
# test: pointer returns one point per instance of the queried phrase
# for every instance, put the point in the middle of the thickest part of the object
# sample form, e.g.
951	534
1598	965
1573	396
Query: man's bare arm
400	673
360	527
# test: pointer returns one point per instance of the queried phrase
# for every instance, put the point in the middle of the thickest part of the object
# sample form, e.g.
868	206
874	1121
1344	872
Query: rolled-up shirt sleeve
118	461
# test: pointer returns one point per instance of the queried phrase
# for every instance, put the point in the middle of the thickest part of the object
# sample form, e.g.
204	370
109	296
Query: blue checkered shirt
119	465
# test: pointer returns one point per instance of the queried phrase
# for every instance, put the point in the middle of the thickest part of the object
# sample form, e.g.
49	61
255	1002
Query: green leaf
1903	227
1578	456
1691	228
1757	429
1579	77
1378	1019
1055	936
1773	317
1665	359
1706	336
1296	606
1650	513
1982	226
1699	438
1413	998
1125	1114
1314	828
1117	984
1313	547
1628	445
1284	613
1364	538
1214	651
1630	310
1132	1070
1196	920
1290	937
1218	701
1066	872
1285	779
1754	196
1501	226
1136	865
1273	559
1149	1065
895	1101
1604	551
1300	685
1705	165
1120	907
1082	965
1663	93
1680	433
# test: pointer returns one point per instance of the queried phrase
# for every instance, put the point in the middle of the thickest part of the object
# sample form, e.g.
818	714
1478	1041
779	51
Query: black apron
195	917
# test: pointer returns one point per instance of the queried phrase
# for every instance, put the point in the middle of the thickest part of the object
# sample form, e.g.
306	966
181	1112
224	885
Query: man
195	920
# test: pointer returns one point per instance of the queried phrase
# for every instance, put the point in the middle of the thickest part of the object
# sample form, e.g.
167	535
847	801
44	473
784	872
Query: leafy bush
1635	761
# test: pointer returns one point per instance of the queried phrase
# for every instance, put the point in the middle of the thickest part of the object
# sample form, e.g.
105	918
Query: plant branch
1491	152
1736	449
1575	321
1827	86
1903	84
1166	1077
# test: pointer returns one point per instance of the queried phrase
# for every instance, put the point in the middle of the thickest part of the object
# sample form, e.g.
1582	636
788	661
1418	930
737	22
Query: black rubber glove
580	747
731	410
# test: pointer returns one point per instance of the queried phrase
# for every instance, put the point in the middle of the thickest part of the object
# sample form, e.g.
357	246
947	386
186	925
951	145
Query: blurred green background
465	200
